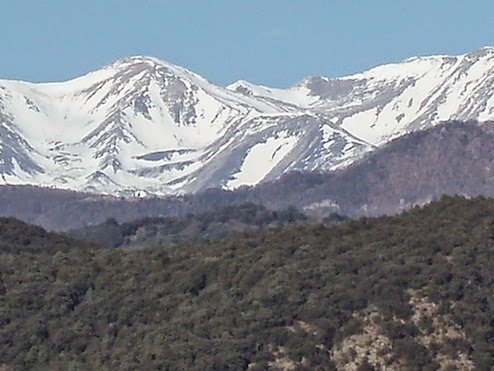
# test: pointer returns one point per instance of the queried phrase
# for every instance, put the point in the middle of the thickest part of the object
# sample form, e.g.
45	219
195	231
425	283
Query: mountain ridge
144	126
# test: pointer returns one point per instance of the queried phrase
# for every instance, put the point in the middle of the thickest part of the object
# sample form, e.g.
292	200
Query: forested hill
414	291
216	223
17	237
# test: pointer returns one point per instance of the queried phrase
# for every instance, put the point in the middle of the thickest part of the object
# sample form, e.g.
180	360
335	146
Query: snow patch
261	159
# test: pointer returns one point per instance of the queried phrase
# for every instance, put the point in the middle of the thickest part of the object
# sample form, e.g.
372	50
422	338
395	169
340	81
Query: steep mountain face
134	124
143	126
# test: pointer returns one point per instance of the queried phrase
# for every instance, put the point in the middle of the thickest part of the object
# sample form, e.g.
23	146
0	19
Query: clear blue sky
272	42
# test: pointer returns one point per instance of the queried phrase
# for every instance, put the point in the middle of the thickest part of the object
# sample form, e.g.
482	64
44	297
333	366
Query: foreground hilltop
144	126
412	291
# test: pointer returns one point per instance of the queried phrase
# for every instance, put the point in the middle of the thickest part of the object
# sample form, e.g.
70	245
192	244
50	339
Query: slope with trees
413	291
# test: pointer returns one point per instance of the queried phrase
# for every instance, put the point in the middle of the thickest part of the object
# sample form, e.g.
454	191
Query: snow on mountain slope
391	100
297	96
142	124
97	132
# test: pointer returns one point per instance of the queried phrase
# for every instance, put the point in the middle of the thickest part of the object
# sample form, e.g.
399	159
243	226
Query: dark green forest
413	291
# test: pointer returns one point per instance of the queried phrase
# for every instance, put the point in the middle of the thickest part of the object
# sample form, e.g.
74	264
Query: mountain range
144	126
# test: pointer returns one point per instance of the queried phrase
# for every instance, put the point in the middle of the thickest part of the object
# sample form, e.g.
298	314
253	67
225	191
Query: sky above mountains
275	42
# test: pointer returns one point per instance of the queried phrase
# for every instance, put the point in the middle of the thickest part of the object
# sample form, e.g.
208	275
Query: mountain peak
142	59
155	67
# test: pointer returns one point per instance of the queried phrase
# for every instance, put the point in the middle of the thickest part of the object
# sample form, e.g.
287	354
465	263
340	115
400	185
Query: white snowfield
142	126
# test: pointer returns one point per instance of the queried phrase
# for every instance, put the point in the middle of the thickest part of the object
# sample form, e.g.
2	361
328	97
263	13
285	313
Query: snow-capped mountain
141	125
393	99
